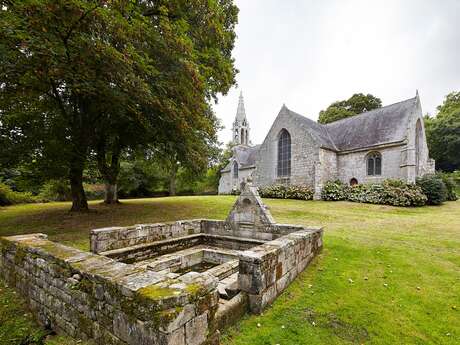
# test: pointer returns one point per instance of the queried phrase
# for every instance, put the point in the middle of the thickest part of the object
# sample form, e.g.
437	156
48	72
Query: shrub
451	186
334	191
278	191
299	193
10	197
399	193
94	191
235	191
456	177
366	193
390	192
59	190
434	189
55	190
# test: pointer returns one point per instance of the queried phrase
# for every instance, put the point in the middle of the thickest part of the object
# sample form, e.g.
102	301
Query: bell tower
240	125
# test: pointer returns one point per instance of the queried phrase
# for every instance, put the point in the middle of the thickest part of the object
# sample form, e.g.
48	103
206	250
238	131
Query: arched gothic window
374	164
284	154
235	169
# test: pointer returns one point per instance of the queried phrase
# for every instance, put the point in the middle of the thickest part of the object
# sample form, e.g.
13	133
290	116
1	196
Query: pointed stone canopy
240	112
249	211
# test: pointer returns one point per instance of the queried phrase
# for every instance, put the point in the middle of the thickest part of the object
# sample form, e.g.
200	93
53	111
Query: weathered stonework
93	297
174	283
337	150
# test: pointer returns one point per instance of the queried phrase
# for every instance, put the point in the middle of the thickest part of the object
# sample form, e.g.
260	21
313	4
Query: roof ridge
320	125
370	111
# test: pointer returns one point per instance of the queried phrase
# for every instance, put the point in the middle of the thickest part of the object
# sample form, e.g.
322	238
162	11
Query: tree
443	134
334	113
194	124
76	67
451	103
356	104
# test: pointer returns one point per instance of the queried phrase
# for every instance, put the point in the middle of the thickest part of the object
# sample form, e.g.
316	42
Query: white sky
308	54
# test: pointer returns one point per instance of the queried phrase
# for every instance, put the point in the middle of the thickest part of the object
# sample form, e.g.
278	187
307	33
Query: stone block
196	330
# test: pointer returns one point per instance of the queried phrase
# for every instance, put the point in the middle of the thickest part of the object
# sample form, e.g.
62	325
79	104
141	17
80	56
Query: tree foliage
356	104
83	78
443	134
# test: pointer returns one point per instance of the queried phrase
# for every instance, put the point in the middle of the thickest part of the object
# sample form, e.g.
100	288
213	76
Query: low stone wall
111	239
265	271
230	242
267	232
146	251
91	296
107	239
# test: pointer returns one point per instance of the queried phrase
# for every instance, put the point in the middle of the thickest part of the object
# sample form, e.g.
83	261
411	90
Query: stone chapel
387	142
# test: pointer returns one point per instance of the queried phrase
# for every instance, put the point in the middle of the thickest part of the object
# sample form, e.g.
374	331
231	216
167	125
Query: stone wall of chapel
304	154
354	165
326	170
227	182
424	164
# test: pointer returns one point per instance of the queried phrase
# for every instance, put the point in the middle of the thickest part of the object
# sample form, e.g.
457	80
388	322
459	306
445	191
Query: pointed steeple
241	112
240	125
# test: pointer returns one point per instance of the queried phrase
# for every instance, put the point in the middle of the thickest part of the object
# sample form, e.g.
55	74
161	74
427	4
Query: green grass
386	275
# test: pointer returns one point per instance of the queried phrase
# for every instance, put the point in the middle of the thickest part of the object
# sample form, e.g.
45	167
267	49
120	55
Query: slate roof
376	127
316	129
245	155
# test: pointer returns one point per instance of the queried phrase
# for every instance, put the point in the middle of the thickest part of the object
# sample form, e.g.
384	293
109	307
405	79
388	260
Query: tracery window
235	169
284	154
374	164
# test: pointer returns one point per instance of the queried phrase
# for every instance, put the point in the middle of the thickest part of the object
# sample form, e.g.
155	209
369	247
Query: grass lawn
386	275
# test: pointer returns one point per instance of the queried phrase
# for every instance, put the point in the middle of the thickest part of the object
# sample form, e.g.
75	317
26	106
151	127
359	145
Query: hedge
390	192
11	197
451	186
434	188
278	191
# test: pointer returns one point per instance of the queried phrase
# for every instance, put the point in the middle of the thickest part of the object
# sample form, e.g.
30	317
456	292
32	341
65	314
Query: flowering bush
278	191
399	193
390	192
334	191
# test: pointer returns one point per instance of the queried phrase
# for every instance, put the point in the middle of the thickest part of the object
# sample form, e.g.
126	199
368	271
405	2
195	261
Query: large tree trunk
109	171
111	193
172	182
79	202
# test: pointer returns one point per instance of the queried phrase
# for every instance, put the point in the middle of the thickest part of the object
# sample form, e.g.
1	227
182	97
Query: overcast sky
308	54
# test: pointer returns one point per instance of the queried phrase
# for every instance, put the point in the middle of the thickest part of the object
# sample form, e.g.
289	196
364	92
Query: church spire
241	112
241	126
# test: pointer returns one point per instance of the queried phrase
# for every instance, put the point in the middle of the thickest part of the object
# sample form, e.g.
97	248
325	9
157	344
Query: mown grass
386	275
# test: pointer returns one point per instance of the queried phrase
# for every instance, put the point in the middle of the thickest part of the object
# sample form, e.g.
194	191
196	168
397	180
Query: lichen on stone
157	292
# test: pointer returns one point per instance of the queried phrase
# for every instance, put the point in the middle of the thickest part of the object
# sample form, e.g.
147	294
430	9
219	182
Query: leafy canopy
356	104
130	72
443	134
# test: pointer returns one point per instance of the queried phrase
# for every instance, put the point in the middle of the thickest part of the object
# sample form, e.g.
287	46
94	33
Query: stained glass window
374	164
235	169
284	154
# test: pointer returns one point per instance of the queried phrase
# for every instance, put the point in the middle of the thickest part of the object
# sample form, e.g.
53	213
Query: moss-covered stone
157	292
